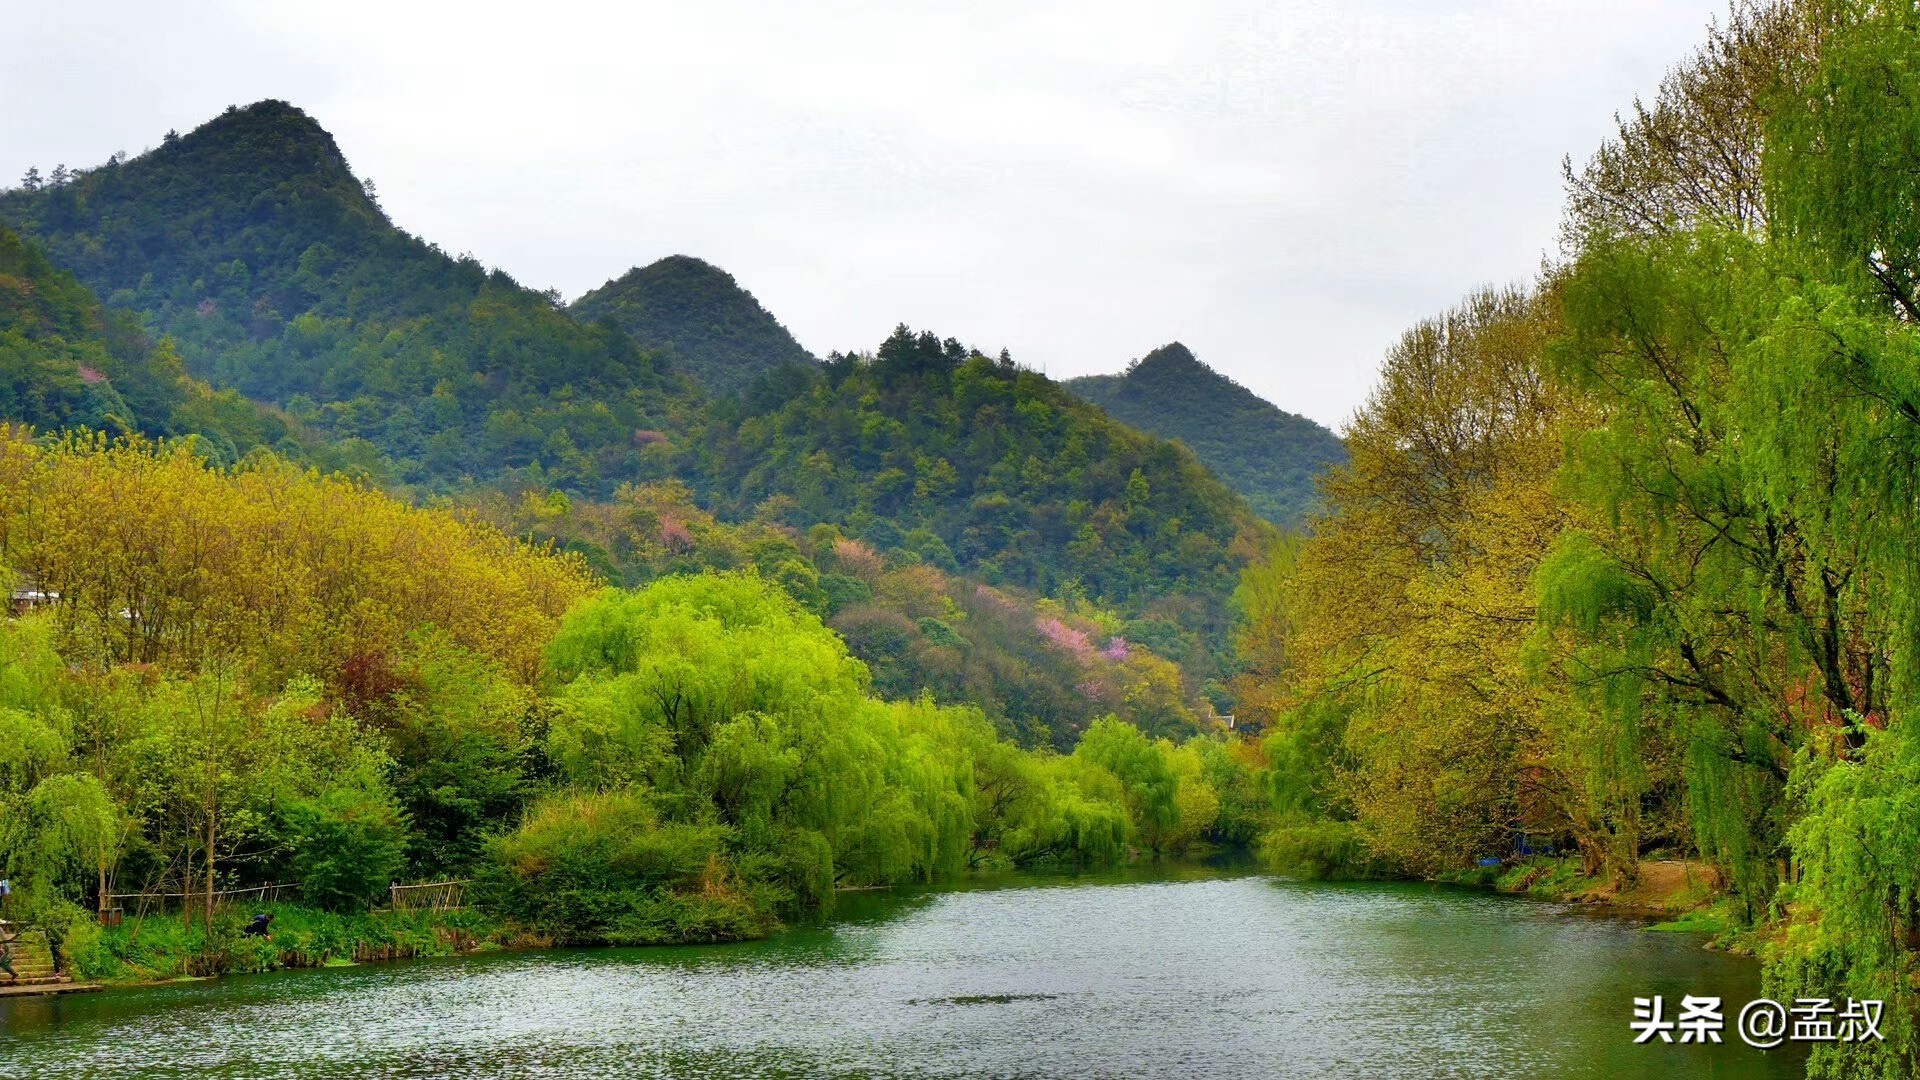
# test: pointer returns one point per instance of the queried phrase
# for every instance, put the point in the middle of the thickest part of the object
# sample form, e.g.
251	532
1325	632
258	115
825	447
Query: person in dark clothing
7	939
56	938
258	927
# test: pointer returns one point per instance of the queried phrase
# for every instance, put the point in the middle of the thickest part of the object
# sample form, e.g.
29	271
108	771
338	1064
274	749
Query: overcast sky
1283	186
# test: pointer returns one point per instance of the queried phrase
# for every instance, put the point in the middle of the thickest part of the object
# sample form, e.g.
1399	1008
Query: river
1173	972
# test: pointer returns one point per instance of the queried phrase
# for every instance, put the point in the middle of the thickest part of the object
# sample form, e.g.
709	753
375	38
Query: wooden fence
153	902
433	896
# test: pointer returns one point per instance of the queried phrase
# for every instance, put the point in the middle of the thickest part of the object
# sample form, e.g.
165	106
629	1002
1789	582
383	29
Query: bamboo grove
1623	561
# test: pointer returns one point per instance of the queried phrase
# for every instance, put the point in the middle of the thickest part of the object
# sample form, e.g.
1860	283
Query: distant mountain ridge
1267	454
975	465
697	314
250	243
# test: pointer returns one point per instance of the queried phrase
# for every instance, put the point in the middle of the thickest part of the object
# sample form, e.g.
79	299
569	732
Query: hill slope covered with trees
1270	456
251	244
973	463
697	314
69	362
249	248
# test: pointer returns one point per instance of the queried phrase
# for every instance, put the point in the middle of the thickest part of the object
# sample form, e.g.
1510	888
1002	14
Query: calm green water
1180	973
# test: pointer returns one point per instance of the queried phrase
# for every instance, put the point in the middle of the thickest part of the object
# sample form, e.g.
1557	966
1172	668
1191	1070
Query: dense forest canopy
973	463
695	313
1272	457
67	361
970	527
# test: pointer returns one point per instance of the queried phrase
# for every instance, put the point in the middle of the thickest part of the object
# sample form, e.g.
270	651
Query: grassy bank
1687	896
164	947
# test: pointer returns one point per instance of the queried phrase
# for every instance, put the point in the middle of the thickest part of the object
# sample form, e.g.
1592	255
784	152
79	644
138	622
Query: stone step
32	960
30	990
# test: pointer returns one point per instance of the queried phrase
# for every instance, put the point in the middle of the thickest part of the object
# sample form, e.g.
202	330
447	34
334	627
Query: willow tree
1835	419
1408	616
59	824
1750	579
727	701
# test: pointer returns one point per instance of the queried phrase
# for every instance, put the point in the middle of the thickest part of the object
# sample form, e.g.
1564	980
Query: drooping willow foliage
1677	615
725	760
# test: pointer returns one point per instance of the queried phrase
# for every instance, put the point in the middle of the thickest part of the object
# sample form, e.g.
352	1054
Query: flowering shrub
858	559
1065	638
675	536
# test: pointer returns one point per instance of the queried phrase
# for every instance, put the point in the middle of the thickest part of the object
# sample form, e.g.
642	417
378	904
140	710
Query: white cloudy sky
1283	186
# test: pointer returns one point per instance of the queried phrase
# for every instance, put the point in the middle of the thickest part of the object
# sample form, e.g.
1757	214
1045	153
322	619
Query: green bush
590	868
1317	850
172	946
350	846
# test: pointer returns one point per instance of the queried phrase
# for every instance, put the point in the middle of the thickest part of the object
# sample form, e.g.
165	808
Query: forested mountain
1024	551
973	463
1270	456
250	243
697	314
68	362
969	527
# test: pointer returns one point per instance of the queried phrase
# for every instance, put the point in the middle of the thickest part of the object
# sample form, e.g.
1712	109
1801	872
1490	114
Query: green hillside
68	362
250	242
1270	456
976	464
1042	670
696	313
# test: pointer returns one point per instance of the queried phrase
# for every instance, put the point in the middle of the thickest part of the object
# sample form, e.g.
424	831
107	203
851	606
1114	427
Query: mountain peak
1172	356
1271	456
1174	363
680	264
699	314
271	141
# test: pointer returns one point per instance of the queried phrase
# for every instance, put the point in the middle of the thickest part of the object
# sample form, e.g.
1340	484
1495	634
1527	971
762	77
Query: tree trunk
186	890
209	858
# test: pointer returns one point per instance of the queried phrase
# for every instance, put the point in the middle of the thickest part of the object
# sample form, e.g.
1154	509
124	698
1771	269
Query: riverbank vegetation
252	674
163	947
1622	561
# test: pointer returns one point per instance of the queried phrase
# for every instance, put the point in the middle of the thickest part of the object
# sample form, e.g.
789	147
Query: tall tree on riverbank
1412	610
1716	580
